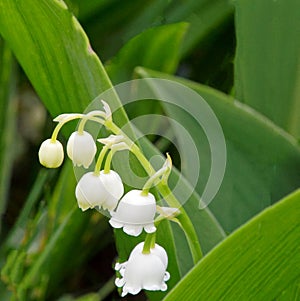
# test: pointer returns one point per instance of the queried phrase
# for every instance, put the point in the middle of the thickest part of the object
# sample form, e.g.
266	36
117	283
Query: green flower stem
62	123
100	160
81	125
108	162
153	179
184	220
90	116
166	193
149	243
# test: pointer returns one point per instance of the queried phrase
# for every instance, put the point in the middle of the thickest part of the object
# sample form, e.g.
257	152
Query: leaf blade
267	59
255	176
241	263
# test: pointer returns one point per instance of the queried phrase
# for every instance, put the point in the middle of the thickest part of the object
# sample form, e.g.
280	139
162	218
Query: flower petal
150	228
134	230
163	287
167	276
119	282
115	224
134	290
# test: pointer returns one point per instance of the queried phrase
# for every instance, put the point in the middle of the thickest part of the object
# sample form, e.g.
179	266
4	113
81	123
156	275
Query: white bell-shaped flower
103	190
81	148
51	153
143	271
135	212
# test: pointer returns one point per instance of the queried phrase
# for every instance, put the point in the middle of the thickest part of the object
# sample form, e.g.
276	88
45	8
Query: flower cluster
134	211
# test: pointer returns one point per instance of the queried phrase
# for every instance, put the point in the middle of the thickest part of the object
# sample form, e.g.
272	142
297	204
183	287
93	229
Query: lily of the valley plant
134	212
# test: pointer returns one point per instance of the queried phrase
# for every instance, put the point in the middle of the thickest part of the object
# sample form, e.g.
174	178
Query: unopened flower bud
51	153
81	148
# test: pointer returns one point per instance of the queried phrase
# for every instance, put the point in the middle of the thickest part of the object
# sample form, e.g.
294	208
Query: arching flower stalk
51	153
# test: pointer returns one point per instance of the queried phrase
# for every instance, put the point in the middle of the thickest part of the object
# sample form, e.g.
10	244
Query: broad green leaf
7	122
256	175
256	262
267	60
61	64
106	22
292	292
106	8
203	16
157	48
116	24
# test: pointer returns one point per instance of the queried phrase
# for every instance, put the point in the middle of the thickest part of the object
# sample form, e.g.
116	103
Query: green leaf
157	48
256	175
203	16
256	262
7	122
86	9
14	238
267	73
115	24
61	65
106	22
292	292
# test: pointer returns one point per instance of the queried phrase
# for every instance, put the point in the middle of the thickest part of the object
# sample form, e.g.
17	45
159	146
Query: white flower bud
135	212
51	153
143	271
103	190
81	148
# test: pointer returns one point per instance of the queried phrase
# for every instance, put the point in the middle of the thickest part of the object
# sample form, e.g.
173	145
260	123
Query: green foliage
255	177
61	64
263	253
7	121
47	250
157	47
267	73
